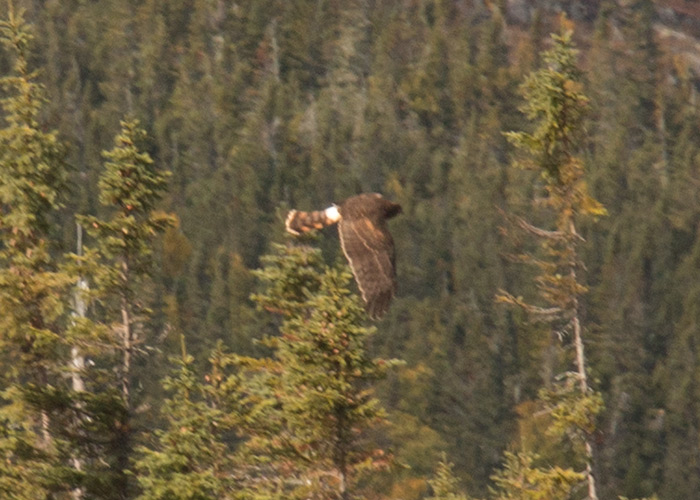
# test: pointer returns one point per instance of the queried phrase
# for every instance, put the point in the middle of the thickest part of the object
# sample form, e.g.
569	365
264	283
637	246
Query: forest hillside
162	337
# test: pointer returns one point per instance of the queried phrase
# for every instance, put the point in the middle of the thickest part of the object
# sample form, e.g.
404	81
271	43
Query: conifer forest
163	337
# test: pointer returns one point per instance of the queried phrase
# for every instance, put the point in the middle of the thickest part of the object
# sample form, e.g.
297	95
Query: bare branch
542	313
538	231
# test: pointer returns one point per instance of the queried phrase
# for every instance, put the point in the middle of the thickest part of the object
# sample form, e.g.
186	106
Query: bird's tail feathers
299	222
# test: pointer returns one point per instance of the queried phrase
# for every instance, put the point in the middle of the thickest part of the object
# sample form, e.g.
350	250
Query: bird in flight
365	240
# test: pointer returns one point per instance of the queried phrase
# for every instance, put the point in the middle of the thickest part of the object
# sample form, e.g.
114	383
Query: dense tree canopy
176	135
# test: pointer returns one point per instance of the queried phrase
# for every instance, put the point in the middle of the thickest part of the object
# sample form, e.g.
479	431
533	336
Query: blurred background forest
258	106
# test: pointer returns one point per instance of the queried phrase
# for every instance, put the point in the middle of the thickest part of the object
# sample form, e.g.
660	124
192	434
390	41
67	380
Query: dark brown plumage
366	243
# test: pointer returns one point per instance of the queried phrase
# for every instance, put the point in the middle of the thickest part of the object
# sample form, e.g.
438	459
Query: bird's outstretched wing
369	248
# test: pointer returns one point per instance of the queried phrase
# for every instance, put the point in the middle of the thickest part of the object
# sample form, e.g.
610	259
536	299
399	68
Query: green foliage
310	404
444	485
121	258
32	182
130	186
191	460
290	278
521	478
574	415
555	104
24	468
33	292
258	106
556	112
116	267
32	158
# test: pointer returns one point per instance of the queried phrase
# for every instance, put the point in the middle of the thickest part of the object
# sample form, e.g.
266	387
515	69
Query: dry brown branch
542	313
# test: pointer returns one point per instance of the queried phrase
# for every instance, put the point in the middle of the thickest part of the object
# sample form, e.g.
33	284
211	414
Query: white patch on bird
332	213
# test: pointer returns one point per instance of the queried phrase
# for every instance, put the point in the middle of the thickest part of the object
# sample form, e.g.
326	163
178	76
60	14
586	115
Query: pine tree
310	404
554	102
33	291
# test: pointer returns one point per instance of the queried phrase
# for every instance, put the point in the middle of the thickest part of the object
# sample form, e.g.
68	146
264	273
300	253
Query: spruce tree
310	405
33	291
555	105
123	255
118	265
522	478
444	484
192	458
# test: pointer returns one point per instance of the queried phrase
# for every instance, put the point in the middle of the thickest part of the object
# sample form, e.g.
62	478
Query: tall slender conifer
555	105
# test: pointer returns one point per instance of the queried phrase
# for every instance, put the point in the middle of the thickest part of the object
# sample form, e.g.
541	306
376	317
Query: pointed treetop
16	36
129	180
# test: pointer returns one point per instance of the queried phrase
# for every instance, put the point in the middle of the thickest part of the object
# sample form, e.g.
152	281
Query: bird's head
392	209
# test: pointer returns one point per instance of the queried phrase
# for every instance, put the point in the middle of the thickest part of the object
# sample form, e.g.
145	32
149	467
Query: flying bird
365	240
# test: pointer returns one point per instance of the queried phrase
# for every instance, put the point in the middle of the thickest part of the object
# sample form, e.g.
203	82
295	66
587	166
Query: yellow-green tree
33	289
555	106
309	407
192	456
118	264
444	484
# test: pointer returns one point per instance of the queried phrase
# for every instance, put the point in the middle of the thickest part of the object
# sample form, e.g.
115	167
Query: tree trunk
581	371
127	341
77	359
